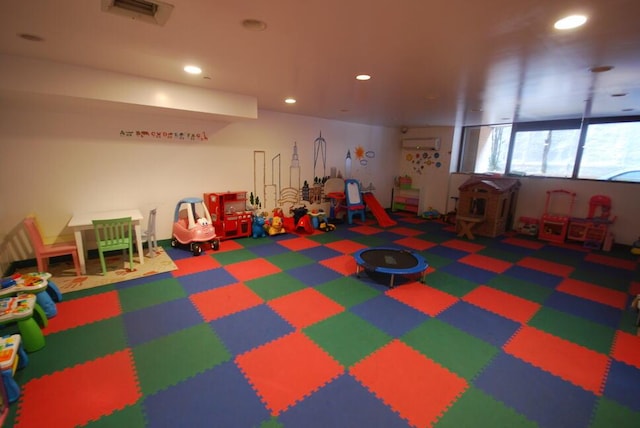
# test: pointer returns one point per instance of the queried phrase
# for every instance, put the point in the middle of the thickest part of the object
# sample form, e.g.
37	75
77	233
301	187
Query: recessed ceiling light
570	22
290	100
31	37
254	25
619	94
192	69
627	109
363	77
601	68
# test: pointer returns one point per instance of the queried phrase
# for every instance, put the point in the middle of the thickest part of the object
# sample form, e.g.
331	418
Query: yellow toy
276	226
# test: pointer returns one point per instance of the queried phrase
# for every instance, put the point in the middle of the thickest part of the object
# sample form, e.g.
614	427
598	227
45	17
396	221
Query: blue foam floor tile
480	323
510	248
178	253
389	315
389	236
159	320
245	330
266	250
320	253
235	403
583	308
206	280
470	273
540	396
447	252
313	275
342	403
623	384
532	275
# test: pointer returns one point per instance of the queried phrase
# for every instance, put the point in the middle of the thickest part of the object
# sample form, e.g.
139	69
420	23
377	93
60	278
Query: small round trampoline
392	261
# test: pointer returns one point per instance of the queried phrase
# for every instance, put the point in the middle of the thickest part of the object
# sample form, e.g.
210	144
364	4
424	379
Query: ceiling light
192	69
290	100
363	77
254	25
601	68
619	94
570	22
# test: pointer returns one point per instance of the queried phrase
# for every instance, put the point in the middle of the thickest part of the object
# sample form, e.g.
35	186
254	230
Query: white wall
59	159
625	198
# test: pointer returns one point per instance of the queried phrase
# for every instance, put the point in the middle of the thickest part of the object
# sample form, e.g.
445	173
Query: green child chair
113	234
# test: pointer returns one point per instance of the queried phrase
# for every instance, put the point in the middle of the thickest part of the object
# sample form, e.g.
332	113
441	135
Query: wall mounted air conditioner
421	143
151	11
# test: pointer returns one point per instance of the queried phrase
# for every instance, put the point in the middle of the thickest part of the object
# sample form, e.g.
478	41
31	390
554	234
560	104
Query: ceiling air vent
153	12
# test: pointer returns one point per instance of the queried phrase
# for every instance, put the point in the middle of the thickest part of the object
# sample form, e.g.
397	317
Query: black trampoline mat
389	259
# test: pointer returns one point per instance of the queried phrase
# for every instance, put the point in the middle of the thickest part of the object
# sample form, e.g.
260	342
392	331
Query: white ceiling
433	62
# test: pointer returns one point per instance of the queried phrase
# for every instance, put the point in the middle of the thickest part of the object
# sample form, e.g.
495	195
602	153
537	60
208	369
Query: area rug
64	276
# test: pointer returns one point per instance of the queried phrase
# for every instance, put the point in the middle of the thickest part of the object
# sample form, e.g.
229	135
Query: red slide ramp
378	212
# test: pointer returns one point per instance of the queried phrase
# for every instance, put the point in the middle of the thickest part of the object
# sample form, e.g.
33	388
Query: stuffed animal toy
276	227
258	227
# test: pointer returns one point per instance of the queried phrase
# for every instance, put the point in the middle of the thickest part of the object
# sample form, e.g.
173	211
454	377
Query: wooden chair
113	234
150	233
44	252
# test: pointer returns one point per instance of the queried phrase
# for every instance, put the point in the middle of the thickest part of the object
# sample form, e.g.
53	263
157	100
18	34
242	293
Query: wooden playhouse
489	202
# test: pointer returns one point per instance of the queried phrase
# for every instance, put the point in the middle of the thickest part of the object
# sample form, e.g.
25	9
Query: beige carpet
64	276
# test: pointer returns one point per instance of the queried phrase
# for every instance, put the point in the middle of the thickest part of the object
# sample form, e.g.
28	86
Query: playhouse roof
493	184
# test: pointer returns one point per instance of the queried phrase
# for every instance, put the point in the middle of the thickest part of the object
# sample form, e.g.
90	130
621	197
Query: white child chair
150	234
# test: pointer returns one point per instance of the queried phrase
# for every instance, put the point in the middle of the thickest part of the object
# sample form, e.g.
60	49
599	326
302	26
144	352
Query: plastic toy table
392	261
33	283
23	310
12	357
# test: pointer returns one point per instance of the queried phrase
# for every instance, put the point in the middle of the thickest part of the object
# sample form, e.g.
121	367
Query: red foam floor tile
499	302
223	301
596	293
458	244
345	246
611	261
252	269
80	394
423	298
634	288
299	243
405	231
74	313
524	243
415	243
572	362
305	307
345	265
365	230
546	266
284	371
228	245
626	348
194	264
418	389
486	263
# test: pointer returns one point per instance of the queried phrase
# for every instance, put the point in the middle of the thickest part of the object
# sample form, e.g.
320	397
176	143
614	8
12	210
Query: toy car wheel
174	242
215	244
196	249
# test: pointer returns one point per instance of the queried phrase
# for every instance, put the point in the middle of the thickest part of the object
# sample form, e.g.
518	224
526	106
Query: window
610	149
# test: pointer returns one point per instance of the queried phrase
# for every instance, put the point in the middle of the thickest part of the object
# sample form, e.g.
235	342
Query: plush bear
276	227
258	227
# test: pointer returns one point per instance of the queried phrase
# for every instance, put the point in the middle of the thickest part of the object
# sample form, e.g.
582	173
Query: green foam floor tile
74	346
347	291
234	256
347	337
599	278
150	294
130	417
454	349
170	359
551	254
370	241
290	260
449	283
477	409
436	238
325	238
88	292
435	261
521	288
611	414
501	254
594	336
273	286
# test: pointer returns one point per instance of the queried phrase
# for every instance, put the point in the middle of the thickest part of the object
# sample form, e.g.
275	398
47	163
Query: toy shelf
406	199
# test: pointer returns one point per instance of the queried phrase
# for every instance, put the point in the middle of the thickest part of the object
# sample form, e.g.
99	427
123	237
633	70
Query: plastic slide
378	212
